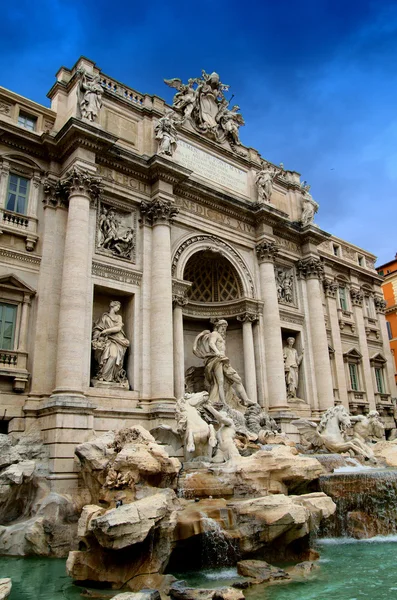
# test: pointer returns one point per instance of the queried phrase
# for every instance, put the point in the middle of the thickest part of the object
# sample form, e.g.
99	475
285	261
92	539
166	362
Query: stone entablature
348	254
12	106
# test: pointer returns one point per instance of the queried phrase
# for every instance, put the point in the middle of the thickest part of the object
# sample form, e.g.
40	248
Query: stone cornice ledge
116	273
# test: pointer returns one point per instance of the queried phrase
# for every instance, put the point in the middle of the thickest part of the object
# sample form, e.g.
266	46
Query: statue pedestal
110	384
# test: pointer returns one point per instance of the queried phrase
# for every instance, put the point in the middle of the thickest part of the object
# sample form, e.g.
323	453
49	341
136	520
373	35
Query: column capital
330	287
158	211
247	317
266	251
54	196
179	300
78	181
310	268
380	305
356	296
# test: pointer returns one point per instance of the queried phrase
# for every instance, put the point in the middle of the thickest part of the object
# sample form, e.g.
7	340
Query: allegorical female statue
110	344
292	360
91	92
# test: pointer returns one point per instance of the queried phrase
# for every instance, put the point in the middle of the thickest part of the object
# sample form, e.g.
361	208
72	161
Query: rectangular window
8	314
17	194
336	250
379	380
389	330
27	121
360	260
353	377
343	298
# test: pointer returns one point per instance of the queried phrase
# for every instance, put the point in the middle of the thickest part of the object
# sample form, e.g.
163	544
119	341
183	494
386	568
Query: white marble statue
226	450
199	437
113	236
220	376
91	92
292	361
368	428
285	285
166	134
202	102
264	181
309	206
110	344
258	420
330	434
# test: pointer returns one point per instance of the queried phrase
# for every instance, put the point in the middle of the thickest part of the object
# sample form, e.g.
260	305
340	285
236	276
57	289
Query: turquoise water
349	570
38	579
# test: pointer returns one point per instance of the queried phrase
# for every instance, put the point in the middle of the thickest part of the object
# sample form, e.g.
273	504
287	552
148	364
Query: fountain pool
349	569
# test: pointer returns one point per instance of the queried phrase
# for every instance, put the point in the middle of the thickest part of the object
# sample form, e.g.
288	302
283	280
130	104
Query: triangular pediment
353	353
12	282
378	358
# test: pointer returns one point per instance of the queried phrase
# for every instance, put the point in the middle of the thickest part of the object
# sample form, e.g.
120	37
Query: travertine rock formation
276	471
125	465
5	588
33	520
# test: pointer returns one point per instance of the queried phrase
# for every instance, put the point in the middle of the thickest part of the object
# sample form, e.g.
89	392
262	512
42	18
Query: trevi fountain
226	430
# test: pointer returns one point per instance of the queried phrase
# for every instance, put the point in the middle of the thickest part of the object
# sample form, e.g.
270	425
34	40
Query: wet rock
180	591
260	571
243	527
142	595
303	570
5	588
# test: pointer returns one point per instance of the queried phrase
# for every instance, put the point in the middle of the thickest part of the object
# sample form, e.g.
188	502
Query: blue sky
316	81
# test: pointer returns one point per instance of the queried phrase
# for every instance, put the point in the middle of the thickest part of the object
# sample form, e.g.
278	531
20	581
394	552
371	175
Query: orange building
389	287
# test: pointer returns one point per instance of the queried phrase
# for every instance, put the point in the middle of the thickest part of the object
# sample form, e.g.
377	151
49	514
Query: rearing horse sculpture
330	433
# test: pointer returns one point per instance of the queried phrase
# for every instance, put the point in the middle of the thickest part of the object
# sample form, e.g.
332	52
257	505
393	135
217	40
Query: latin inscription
210	167
213	215
116	177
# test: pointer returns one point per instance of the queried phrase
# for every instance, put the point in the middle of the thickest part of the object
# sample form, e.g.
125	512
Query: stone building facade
111	195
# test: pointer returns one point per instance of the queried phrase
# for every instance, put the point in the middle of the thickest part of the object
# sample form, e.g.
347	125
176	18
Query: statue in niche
110	344
309	206
222	380
166	134
113	236
285	282
90	92
206	108
264	181
292	361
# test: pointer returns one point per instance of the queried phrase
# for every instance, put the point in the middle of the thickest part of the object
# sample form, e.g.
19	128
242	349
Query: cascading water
366	502
217	549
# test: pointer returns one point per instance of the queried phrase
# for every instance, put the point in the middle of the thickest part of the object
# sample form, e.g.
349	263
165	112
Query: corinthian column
312	270
249	355
331	290
179	301
80	187
160	213
266	252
